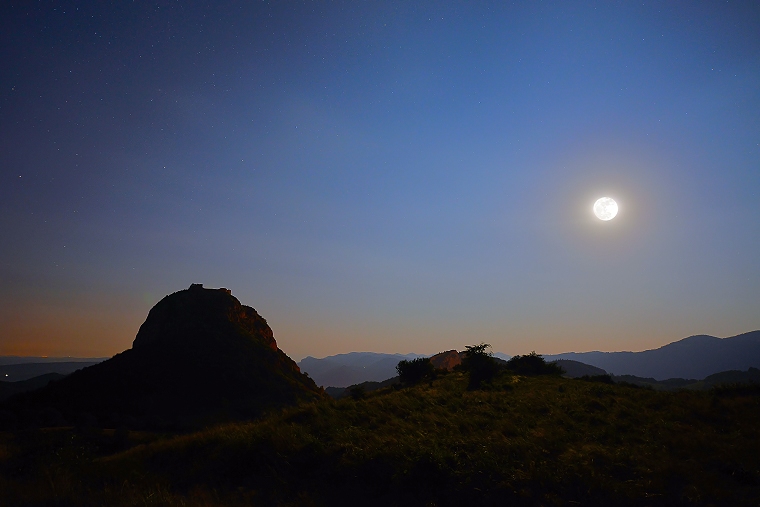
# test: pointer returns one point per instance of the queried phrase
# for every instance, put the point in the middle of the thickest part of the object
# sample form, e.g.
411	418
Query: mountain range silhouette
695	357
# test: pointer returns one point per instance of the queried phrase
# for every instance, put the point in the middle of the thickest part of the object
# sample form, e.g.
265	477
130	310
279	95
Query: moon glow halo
605	208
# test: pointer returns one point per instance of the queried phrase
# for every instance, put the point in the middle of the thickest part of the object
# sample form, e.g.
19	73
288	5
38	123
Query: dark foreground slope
199	357
524	441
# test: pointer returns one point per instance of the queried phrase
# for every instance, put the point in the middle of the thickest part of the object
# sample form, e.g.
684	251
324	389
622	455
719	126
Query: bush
357	392
533	364
412	372
480	364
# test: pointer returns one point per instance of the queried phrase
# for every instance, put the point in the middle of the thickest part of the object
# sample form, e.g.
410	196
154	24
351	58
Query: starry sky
381	176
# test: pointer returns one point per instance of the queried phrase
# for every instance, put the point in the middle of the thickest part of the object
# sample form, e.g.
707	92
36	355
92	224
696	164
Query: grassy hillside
522	441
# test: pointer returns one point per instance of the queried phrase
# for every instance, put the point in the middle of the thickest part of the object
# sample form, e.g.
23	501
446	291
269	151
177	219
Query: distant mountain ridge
352	368
343	370
695	357
8	389
8	360
575	369
26	371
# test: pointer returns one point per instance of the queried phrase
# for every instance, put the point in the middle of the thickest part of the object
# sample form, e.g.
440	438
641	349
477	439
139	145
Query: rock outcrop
200	357
447	360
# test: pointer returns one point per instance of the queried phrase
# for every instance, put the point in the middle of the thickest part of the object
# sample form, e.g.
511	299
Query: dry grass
525	441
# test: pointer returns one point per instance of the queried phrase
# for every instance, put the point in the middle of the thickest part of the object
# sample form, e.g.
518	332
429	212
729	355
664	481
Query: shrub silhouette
412	372
480	365
357	392
533	364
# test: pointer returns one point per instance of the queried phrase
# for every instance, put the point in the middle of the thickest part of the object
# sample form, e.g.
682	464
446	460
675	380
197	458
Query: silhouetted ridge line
695	357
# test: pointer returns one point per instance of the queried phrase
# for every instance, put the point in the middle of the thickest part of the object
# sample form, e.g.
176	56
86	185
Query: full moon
605	208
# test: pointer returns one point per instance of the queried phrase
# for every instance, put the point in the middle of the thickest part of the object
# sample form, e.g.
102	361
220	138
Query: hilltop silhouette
200	357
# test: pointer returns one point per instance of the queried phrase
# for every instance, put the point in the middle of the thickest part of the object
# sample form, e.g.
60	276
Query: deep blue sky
381	176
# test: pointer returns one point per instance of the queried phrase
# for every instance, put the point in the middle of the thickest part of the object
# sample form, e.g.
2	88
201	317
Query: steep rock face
200	357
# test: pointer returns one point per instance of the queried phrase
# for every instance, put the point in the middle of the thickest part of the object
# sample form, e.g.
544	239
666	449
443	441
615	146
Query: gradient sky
381	176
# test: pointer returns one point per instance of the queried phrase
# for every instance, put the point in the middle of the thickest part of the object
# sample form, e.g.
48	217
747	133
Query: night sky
381	176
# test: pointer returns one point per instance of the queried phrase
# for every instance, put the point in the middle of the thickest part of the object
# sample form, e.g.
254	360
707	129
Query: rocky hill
200	357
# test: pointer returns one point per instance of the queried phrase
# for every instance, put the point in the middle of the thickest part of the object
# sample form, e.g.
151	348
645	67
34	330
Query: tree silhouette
533	364
480	364
412	372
